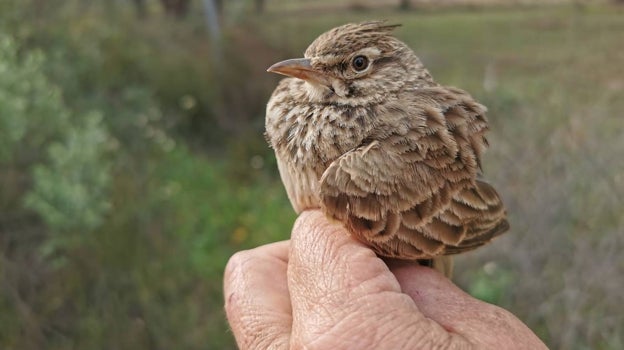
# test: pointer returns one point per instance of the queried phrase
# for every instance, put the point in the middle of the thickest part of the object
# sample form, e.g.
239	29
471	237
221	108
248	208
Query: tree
259	6
139	5
177	8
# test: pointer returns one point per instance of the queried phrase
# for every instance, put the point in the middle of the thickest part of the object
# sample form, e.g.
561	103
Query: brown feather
387	151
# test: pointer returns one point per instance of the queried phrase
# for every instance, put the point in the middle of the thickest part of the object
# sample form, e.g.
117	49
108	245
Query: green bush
28	101
70	193
126	224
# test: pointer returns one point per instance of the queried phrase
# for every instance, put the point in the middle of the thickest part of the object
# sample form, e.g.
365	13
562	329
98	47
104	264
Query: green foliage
71	192
12	128
215	218
69	188
491	284
27	101
128	229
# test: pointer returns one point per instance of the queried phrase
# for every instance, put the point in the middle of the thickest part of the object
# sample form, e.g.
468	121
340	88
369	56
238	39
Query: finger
332	279
257	303
436	297
325	260
481	323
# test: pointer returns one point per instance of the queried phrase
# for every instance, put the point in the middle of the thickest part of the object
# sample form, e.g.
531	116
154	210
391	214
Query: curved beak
299	68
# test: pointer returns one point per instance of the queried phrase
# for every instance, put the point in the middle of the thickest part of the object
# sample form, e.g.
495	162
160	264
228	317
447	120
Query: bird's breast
307	137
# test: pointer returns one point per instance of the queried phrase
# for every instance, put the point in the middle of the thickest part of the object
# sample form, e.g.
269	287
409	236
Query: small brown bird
363	131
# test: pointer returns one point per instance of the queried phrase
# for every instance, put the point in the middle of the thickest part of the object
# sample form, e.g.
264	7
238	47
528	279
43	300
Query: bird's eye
359	63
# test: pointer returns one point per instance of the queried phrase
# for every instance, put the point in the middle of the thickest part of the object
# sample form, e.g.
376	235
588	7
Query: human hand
324	290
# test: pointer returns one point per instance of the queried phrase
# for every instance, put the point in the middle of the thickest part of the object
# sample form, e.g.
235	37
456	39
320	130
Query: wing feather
414	193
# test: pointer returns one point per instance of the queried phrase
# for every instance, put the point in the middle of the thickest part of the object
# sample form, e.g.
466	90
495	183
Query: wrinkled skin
325	290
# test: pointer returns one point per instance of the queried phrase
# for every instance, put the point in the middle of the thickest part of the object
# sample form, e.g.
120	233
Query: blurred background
132	161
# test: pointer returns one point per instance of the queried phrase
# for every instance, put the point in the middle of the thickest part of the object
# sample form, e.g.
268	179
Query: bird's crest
351	37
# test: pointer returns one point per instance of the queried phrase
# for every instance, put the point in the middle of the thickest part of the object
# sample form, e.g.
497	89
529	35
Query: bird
361	130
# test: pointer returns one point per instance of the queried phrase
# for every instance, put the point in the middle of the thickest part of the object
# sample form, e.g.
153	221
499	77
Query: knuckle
235	263
234	277
498	315
238	266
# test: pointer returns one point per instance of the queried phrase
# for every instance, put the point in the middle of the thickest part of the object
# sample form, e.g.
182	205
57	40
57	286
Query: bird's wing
413	193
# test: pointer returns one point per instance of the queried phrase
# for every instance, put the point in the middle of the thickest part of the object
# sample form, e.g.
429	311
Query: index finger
256	297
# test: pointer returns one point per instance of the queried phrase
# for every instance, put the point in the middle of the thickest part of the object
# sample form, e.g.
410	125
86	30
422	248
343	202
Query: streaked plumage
385	149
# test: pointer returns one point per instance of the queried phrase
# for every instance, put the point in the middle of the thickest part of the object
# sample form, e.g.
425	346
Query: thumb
330	277
485	325
326	262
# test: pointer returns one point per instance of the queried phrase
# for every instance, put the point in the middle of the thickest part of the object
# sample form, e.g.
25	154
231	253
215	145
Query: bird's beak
299	68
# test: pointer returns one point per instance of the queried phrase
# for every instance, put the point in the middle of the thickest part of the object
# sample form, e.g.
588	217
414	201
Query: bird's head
355	62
